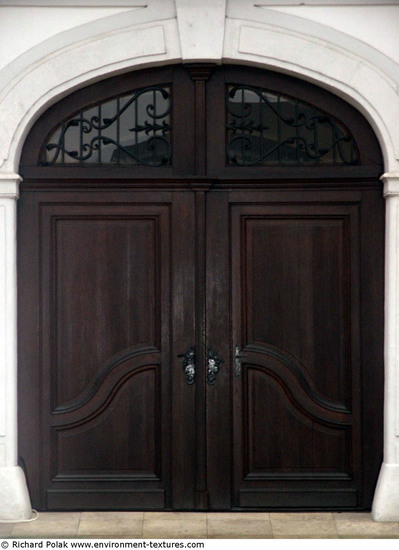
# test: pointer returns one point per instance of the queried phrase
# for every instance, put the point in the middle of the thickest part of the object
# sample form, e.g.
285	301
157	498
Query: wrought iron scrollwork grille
126	129
265	128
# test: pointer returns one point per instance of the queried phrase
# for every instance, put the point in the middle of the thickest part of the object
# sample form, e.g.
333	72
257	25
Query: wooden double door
200	263
200	347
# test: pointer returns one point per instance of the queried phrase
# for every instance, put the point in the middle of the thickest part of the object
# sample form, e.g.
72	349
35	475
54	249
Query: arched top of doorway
201	120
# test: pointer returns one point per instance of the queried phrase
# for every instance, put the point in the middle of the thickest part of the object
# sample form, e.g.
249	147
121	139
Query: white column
14	497
386	498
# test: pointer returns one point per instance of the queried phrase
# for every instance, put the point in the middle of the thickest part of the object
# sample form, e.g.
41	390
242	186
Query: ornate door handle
188	364
237	361
212	366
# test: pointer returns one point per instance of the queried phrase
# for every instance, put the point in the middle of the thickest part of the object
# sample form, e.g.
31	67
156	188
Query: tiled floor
158	525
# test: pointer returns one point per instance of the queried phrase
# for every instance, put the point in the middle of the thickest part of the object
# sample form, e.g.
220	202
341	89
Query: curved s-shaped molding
298	386
96	397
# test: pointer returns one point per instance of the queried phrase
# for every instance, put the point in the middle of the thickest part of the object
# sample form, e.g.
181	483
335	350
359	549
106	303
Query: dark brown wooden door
287	416
176	215
112	281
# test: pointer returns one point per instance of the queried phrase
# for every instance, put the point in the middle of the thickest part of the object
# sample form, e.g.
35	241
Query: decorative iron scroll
265	128
132	129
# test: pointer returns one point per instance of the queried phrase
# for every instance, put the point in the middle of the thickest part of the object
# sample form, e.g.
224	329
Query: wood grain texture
122	269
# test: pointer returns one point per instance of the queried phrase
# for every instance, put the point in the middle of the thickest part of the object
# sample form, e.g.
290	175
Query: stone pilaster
386	499
14	497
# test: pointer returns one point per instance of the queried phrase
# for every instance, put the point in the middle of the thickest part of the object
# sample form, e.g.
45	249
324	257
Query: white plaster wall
57	55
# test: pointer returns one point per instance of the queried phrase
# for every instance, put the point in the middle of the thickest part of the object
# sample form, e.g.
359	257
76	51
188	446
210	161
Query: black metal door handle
188	365
212	366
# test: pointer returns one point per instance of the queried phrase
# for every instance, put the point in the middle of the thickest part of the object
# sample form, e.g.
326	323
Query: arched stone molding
162	34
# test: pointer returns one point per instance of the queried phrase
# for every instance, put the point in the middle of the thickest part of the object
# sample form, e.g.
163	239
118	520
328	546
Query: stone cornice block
9	186
391	184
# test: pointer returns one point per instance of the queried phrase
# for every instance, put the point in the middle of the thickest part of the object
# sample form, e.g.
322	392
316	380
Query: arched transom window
270	128
132	128
188	121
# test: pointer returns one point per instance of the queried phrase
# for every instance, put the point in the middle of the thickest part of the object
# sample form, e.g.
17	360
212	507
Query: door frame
200	160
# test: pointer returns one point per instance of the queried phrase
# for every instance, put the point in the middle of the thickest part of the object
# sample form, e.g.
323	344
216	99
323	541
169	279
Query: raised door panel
289	439
132	448
107	276
98	263
295	306
296	291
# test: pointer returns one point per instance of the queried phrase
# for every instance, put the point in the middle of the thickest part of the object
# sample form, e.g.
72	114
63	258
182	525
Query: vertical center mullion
261	127
154	152
99	133
118	129
297	131
316	137
200	75
81	137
